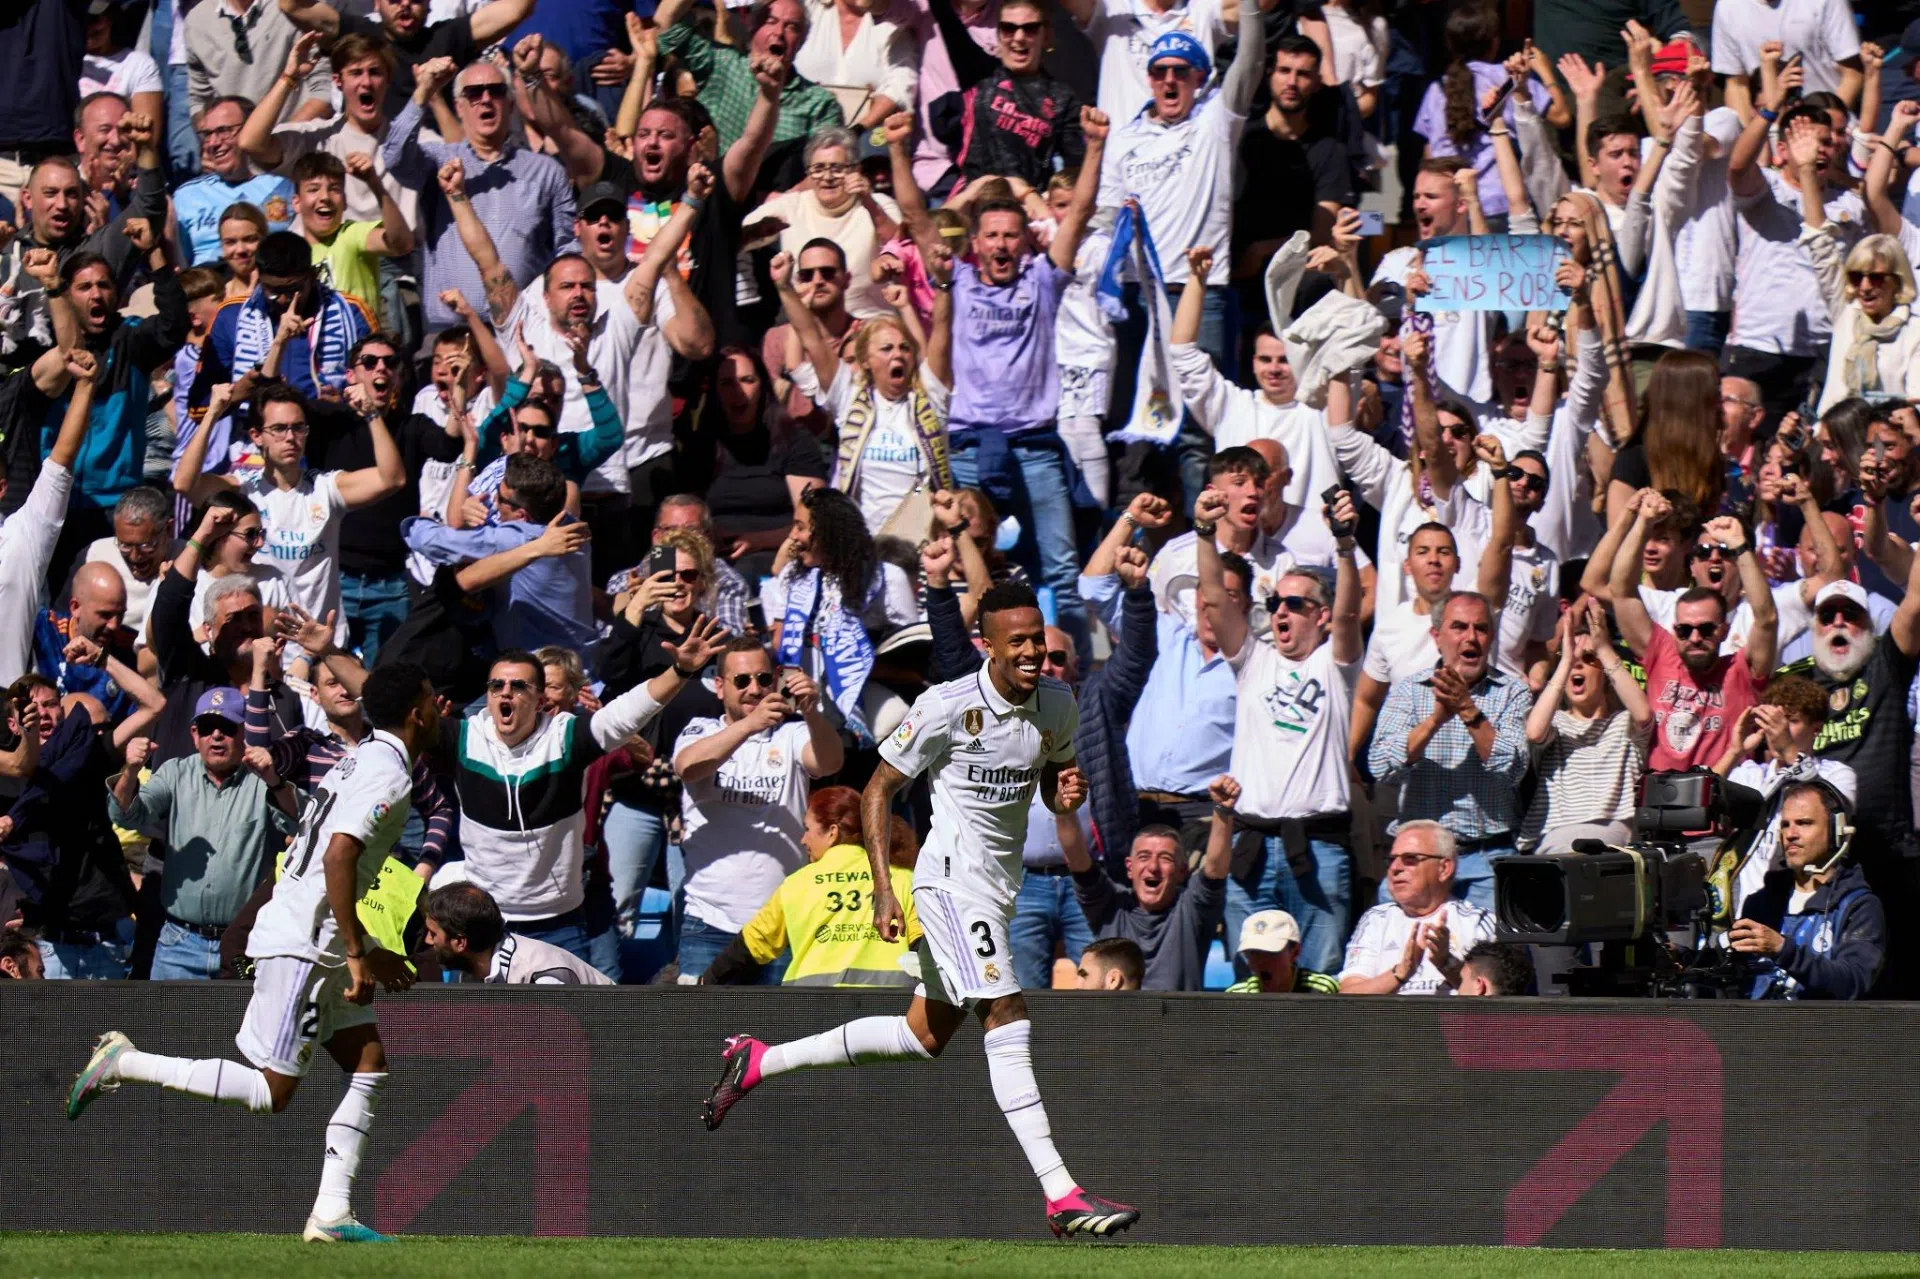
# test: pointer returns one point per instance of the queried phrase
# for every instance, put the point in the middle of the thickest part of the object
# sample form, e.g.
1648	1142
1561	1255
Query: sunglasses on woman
1021	29
1458	431
1878	278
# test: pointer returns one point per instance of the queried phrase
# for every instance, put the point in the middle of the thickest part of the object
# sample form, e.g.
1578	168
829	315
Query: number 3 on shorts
983	931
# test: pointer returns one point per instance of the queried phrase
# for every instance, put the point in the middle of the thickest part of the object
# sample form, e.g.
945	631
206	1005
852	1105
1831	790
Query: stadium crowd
560	345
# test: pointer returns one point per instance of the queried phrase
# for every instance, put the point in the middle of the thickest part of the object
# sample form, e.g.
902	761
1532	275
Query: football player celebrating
987	740
317	966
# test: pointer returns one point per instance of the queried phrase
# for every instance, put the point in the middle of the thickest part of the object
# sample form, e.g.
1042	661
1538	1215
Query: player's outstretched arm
876	819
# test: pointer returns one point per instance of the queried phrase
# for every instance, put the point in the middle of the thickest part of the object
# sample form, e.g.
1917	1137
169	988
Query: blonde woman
889	404
1869	291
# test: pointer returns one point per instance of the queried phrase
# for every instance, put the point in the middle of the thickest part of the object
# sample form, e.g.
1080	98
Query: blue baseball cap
229	704
1178	46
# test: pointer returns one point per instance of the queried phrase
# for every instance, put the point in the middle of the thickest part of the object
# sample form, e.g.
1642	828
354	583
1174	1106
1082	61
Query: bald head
1273	494
1273	451
99	601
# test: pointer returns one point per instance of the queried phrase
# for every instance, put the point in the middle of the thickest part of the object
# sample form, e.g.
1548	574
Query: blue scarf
1156	407
340	324
817	617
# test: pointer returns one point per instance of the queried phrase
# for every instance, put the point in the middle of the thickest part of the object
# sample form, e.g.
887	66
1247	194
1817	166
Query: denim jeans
1322	905
375	607
571	937
1707	330
1045	913
1473	875
102	961
701	943
184	956
633	838
1041	499
182	143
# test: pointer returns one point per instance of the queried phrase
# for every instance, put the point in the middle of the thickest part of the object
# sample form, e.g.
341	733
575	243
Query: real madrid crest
1046	741
1837	699
972	720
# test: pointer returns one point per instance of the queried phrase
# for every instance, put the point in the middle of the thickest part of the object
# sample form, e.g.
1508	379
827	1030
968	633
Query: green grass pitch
49	1256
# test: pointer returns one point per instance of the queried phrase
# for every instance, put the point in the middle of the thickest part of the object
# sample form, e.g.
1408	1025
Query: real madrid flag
1156	407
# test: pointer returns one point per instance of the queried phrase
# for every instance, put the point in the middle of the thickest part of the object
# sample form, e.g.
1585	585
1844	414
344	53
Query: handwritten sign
1493	273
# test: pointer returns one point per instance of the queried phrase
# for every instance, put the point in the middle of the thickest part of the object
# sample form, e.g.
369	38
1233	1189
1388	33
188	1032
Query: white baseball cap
1268	930
1852	592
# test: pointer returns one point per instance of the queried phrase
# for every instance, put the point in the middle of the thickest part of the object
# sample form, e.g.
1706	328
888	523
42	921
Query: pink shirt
1693	715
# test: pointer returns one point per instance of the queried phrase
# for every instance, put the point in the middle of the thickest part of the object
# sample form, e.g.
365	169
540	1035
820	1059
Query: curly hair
842	547
1472	33
694	543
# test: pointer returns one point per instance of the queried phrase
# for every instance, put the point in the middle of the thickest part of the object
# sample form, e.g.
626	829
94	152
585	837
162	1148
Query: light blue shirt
1181	734
550	601
198	205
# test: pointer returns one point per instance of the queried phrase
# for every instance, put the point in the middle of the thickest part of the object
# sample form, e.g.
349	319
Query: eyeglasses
218	132
1734	399
513	686
1021	29
1881	278
284	430
826	170
481	92
147	547
1524	479
759	679
1412	859
379	361
1170	71
808	274
1300	604
1687	630
1711	551
1058	656
216	726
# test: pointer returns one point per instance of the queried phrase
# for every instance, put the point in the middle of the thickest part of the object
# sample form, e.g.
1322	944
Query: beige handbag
912	520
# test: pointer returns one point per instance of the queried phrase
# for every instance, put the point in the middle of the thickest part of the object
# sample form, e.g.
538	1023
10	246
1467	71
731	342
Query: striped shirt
1450	783
1588	771
306	755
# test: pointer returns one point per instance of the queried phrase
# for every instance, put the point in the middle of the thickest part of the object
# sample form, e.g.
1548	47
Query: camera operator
1815	928
1781	730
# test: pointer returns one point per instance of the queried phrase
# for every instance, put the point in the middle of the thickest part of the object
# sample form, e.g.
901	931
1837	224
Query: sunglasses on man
808	274
1687	630
1712	551
758	679
516	687
215	726
477	93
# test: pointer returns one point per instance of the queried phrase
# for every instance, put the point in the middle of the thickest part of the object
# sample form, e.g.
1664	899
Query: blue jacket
1107	699
1834	947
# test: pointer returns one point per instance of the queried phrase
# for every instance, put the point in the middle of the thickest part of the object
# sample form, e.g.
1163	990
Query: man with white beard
1869	729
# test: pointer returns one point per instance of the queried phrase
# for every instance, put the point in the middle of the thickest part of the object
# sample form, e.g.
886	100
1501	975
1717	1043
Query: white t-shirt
892	461
27	539
1381	937
1533	606
649	404
1778	305
1821	30
1124	32
1174	576
610	349
125	73
1359	52
1183	178
106	550
1401	646
303	539
986	756
852	229
1462	340
367	795
1290	731
743	822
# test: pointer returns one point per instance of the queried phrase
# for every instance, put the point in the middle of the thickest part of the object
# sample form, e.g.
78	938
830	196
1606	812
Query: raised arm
1630	614
645	39
1905	625
740	167
313	16
558	539
502	290
664	248
1743	171
1496	558
1073	223
1244	74
822	352
256	135
1230	627
1881	164
492	21
83	371
582	156
188	481
1586	82
393	238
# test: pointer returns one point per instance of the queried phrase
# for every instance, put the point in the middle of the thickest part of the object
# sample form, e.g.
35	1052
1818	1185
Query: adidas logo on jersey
974	747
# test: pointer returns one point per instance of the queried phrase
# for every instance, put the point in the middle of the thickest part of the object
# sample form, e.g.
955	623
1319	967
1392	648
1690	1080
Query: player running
317	966
987	738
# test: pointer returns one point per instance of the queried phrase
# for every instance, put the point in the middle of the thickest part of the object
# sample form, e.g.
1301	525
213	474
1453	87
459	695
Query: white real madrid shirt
302	525
743	822
367	795
985	756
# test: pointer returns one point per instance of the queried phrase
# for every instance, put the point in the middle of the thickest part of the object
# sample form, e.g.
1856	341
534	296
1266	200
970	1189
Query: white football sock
227	1082
1010	1064
346	1138
861	1042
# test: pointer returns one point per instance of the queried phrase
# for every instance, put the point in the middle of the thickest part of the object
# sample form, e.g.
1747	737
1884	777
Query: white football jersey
367	795
986	756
